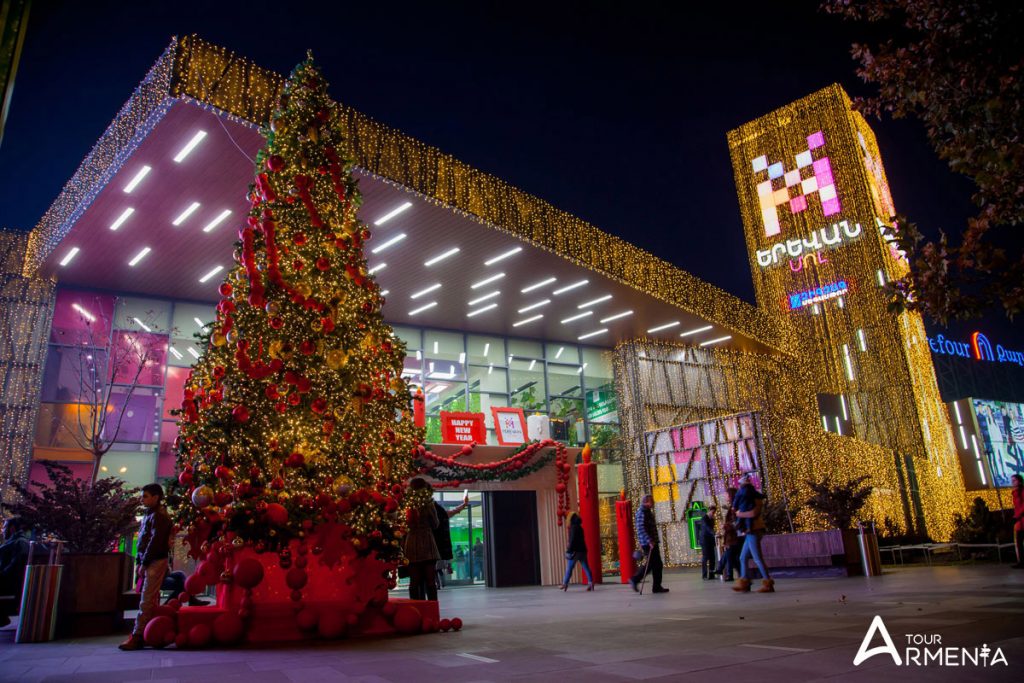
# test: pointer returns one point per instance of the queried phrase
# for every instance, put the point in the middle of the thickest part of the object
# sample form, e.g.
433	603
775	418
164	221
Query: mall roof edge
211	76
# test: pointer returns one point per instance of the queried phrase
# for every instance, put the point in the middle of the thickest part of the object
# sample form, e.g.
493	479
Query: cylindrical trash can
870	557
38	619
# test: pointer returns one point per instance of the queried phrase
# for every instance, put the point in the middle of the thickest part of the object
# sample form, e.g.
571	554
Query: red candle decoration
586	479
624	522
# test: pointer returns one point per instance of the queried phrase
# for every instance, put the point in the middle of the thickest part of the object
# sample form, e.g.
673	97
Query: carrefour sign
979	348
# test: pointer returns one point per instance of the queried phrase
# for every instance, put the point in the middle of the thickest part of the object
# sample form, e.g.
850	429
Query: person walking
752	500
575	552
1017	496
153	551
731	542
443	537
420	546
706	534
647	536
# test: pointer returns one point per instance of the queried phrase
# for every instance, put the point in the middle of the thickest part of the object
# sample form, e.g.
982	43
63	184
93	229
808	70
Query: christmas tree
296	427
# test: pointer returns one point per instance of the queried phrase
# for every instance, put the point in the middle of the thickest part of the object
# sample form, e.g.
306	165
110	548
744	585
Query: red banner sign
463	428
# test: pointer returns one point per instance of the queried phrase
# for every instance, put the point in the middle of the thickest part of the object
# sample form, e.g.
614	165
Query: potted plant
90	517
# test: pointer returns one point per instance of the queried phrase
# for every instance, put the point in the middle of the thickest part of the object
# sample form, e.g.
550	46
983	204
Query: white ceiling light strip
709	342
485	297
211	273
218	220
566	321
122	218
616	317
377	268
177	354
441	257
142	325
537	304
138	257
503	256
666	326
185	214
423	308
390	243
143	172
527	320
192	352
696	330
428	290
191	145
391	214
594	302
478	311
70	255
569	288
538	285
487	281
592	334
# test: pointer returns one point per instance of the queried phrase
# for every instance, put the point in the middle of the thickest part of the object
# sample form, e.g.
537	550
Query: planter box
833	552
93	594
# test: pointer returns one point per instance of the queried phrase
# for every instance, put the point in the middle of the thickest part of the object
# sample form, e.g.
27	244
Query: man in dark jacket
647	536
706	535
443	536
154	548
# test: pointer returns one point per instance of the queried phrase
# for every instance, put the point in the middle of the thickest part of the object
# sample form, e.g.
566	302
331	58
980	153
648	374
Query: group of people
740	536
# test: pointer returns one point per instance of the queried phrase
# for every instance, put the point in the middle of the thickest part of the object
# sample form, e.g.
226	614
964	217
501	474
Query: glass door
467	566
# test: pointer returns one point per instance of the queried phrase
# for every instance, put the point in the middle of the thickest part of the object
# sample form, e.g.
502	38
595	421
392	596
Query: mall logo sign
925	649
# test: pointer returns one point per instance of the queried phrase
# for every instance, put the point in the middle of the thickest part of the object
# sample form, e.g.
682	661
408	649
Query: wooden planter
95	590
833	551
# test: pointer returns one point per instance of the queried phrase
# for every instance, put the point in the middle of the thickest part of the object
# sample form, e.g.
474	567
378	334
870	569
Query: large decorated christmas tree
297	437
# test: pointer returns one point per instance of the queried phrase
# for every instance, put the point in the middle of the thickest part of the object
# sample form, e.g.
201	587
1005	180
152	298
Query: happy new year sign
463	428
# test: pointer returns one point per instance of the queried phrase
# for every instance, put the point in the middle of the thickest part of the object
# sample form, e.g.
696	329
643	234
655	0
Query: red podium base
315	589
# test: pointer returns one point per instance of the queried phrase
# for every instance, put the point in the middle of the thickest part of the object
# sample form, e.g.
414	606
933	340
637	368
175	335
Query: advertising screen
1002	432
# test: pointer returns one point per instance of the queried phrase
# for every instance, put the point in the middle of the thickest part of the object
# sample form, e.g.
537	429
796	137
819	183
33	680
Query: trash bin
870	557
38	619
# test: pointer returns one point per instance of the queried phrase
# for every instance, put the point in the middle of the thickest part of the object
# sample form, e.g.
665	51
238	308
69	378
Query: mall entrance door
468	566
514	557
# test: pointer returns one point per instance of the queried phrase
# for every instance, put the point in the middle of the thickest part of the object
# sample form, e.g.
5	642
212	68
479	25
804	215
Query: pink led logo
793	187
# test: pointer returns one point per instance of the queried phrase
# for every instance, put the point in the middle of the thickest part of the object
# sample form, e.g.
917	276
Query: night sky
616	114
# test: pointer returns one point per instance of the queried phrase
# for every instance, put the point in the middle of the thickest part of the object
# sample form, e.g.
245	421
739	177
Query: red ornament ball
240	413
277	514
248	572
195	584
228	628
299	238
296	578
445	624
407	620
323	263
157	630
225	289
185	478
181	640
200	635
275	162
456	624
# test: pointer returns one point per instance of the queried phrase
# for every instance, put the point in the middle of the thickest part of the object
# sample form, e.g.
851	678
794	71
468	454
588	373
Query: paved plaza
810	630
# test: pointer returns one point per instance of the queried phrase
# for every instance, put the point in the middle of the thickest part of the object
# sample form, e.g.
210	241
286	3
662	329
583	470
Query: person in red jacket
1017	494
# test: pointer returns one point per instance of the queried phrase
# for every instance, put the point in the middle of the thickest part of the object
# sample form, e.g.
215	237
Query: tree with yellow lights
296	418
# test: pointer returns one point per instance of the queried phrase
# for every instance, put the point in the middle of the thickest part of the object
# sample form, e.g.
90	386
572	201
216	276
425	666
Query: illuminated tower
813	196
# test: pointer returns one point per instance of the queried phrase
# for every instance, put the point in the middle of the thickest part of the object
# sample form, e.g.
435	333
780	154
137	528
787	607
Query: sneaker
632	584
133	643
659	589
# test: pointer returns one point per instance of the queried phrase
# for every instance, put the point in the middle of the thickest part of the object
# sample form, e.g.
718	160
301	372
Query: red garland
562	467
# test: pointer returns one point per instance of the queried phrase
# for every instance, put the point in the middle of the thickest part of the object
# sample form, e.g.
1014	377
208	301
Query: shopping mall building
503	300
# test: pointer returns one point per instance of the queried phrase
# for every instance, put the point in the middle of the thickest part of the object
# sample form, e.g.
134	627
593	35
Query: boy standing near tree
154	548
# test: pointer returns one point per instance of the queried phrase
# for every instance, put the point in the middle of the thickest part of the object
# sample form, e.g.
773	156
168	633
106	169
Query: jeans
152	578
572	564
752	550
730	560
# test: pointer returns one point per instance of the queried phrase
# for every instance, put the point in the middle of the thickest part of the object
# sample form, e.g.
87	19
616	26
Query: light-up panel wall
813	197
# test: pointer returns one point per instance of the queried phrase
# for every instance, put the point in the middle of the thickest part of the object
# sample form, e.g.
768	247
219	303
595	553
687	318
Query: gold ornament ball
218	339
